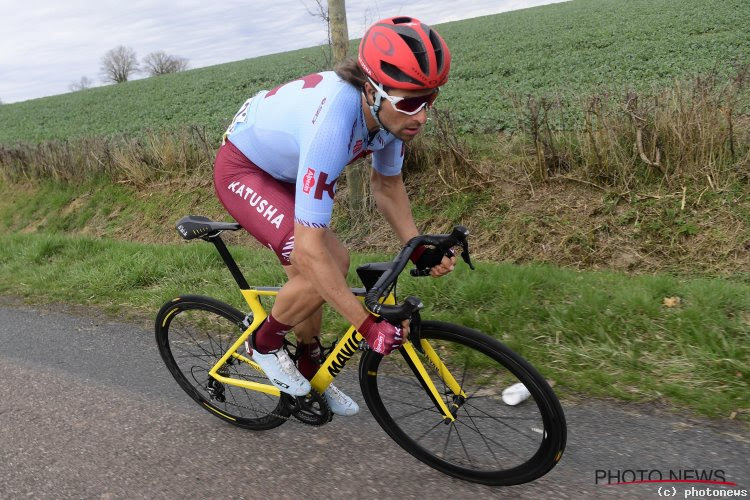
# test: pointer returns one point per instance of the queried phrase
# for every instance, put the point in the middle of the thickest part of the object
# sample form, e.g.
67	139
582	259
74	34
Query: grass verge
601	333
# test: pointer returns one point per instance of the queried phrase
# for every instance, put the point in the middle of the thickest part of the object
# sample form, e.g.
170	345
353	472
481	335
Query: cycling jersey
305	132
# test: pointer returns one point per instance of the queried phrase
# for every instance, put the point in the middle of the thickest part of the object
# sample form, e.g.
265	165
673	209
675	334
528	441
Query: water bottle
515	394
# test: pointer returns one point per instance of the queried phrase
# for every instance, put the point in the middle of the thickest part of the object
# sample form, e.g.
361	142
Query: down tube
335	362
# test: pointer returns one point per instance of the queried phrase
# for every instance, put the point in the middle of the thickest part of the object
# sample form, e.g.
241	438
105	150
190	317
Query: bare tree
320	10
82	84
161	63
338	32
118	64
333	13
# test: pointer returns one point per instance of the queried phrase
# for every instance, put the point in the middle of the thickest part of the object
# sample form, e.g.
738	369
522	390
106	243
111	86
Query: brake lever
465	255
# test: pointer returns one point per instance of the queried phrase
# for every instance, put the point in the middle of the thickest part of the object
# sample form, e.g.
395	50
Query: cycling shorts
263	205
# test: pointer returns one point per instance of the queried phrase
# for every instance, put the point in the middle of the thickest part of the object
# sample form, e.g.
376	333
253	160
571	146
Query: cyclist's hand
382	337
446	265
433	259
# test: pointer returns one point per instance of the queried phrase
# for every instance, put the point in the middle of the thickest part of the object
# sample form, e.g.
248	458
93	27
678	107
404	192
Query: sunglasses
407	105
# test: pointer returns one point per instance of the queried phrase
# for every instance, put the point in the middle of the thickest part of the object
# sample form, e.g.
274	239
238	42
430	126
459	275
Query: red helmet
404	53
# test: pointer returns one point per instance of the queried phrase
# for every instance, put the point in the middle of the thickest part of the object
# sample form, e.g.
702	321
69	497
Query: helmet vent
435	40
401	20
419	51
398	75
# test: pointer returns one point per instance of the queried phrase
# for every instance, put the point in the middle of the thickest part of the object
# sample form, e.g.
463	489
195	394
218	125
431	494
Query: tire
489	442
193	333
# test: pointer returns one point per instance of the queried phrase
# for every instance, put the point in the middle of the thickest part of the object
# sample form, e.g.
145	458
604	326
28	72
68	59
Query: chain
276	415
325	352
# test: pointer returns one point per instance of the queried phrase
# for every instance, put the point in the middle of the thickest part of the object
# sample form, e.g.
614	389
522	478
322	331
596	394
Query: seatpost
229	261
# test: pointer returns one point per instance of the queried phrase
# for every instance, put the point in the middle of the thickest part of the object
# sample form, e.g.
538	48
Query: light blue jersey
305	132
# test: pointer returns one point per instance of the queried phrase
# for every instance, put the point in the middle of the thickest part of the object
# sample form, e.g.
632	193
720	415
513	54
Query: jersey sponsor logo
263	207
318	111
323	186
308	181
379	343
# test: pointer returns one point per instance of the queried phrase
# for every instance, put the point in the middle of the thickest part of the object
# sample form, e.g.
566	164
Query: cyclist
276	174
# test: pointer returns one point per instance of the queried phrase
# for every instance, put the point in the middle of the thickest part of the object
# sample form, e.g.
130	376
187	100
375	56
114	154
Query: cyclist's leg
264	206
308	331
309	327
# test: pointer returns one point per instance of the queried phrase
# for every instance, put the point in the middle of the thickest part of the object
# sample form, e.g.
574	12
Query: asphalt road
87	410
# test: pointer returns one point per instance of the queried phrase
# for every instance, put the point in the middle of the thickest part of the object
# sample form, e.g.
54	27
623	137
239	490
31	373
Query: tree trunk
339	31
357	173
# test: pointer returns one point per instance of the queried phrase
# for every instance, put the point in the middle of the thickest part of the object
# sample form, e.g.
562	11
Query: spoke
447	438
533	438
463	375
420	410
408	380
492	440
476	428
198	343
199	356
458	434
490	417
428	431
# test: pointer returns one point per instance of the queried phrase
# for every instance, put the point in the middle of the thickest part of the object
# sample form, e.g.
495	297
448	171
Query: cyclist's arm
312	258
393	202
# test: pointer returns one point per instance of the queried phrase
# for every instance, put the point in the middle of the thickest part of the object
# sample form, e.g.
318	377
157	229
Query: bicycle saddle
196	226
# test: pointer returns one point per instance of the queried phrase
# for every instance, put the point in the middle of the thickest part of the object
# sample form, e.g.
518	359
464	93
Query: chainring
311	409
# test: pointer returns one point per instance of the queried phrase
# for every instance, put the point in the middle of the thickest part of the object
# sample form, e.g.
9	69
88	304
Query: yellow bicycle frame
344	349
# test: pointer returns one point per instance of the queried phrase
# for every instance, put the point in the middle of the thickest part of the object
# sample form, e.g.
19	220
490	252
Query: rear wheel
489	441
193	333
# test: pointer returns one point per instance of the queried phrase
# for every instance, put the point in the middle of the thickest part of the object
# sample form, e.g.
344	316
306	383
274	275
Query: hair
349	71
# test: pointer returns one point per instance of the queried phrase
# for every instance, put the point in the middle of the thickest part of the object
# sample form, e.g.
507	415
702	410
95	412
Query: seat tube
230	262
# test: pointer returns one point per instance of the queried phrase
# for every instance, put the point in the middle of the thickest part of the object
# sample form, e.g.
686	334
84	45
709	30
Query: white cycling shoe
340	403
280	370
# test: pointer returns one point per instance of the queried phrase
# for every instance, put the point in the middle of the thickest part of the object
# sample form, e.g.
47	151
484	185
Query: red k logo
323	186
308	181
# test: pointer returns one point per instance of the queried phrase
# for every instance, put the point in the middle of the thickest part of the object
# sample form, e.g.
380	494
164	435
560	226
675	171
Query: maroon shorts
263	205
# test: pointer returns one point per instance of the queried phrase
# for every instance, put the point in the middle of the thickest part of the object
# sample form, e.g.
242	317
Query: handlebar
396	314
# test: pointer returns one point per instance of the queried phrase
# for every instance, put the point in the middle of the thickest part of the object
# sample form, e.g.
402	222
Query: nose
421	117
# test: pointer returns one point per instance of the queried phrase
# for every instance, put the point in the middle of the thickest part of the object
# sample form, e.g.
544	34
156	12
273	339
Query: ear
369	92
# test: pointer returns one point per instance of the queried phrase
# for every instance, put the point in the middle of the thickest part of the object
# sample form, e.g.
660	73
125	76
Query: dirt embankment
563	222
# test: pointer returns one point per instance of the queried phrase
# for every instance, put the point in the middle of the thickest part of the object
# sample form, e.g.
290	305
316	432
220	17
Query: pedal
311	409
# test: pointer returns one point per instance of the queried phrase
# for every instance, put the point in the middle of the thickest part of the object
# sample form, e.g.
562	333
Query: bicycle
439	397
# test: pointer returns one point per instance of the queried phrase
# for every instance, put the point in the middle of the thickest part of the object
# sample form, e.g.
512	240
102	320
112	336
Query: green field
571	49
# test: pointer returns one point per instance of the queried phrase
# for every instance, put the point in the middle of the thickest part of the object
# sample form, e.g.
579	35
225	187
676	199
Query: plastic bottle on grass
515	394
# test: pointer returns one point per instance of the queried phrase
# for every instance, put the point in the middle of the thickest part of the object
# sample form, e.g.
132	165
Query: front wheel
193	333
489	442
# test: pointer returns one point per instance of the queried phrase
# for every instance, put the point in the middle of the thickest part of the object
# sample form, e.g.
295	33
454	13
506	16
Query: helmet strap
375	109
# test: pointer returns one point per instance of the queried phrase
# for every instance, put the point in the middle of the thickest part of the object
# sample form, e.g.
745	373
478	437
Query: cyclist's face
405	127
